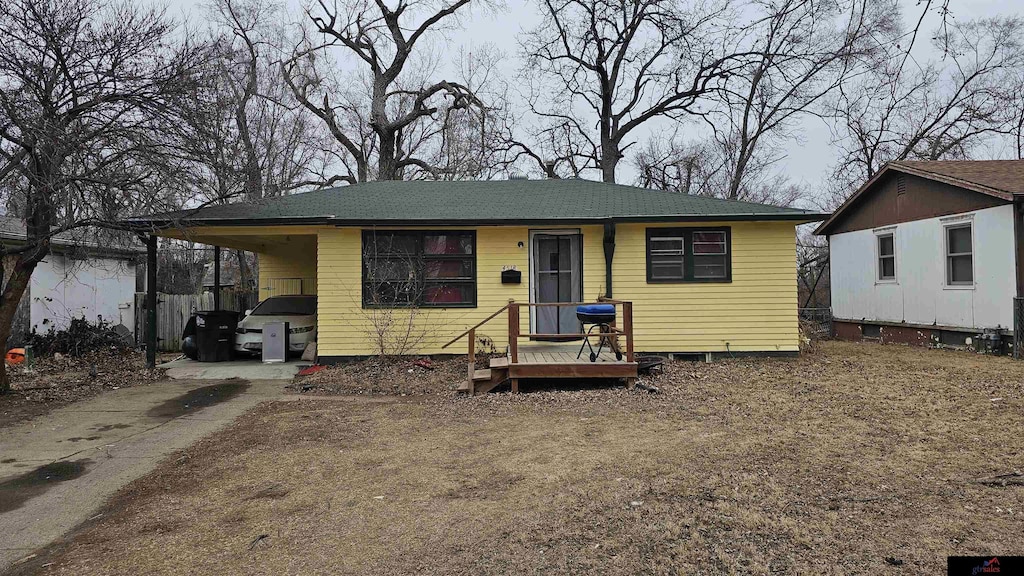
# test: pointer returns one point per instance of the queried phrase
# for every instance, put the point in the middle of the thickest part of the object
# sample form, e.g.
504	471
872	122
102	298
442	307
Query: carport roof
481	202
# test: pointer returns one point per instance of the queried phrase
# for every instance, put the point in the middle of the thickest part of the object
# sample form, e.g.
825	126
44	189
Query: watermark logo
987	567
981	565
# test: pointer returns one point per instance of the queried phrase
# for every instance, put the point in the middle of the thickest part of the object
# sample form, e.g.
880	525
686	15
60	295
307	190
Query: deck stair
485	380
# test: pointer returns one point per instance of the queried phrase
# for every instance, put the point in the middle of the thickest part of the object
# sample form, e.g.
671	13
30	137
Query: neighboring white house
79	279
928	252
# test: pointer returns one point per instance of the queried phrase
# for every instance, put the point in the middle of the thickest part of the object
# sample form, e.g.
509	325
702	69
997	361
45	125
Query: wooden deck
559	361
561	353
540	359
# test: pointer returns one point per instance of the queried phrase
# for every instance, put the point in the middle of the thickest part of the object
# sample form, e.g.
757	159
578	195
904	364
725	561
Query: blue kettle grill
600	317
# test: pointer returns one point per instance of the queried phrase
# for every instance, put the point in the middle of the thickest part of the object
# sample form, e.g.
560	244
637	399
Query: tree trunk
387	163
609	161
244	275
10	298
610	153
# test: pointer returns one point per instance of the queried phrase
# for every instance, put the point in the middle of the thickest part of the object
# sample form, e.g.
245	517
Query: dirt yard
857	458
58	381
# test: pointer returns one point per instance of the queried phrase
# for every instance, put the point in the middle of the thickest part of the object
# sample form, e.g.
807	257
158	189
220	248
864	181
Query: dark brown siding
886	334
884	205
912	335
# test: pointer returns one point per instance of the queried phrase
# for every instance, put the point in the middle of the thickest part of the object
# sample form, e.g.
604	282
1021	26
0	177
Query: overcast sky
809	160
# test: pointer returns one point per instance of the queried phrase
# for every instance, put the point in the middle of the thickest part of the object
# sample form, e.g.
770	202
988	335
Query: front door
557	277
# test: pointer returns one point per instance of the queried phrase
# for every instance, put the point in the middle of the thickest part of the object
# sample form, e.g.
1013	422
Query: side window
959	255
689	255
710	255
666	257
886	250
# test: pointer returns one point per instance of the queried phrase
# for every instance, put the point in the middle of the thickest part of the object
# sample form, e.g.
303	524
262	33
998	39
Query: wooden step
501	362
485	380
488	385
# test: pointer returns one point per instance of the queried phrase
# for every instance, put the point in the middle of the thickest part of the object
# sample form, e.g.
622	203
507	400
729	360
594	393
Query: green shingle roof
483	202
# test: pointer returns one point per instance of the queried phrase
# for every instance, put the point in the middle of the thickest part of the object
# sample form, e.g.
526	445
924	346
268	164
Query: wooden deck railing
514	334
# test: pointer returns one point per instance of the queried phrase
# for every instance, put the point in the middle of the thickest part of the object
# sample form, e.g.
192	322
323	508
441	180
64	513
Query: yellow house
405	267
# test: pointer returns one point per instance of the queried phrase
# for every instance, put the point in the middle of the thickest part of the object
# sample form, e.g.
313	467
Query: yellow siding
288	267
756	312
346	329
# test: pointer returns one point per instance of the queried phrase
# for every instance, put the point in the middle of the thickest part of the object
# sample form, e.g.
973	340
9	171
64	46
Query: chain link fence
816	323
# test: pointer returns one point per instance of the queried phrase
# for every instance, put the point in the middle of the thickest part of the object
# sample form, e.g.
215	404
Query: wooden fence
174	310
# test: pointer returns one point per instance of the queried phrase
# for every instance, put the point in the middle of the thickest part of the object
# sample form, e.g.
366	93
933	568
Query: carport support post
216	277
151	301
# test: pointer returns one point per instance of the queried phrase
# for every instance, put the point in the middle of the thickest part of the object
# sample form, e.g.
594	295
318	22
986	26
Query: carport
286	257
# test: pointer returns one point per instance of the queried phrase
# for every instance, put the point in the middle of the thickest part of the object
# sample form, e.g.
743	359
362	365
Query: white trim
879	233
965	221
957	218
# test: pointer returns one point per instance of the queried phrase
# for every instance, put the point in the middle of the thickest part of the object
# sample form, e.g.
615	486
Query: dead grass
386	376
58	381
830	463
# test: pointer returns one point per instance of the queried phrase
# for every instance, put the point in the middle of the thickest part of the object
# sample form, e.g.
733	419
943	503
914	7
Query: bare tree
601	69
797	53
803	50
673	165
469	142
812	265
180	267
247	137
390	111
1014	111
704	169
85	87
934	110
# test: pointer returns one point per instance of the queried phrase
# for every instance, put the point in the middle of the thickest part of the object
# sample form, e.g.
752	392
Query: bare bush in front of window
392	291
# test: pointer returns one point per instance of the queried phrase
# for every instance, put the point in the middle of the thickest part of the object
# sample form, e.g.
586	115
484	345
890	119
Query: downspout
609	254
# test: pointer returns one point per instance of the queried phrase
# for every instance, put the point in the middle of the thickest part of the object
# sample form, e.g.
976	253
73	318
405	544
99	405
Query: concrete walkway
58	469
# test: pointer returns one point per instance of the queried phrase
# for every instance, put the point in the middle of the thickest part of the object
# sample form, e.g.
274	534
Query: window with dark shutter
689	255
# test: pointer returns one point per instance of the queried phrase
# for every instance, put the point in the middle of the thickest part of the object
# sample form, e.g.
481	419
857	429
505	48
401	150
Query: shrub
80	337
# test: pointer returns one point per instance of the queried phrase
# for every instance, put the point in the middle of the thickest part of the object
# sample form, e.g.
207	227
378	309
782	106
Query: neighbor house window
886	257
689	255
419	268
959	255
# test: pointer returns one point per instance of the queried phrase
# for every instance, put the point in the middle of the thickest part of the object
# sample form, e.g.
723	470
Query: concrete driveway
249	368
58	469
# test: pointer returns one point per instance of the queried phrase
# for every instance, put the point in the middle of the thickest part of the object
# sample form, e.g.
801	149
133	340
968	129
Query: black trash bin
215	335
188	339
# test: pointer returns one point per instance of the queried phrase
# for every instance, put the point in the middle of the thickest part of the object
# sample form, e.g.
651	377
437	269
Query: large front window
419	268
689	255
